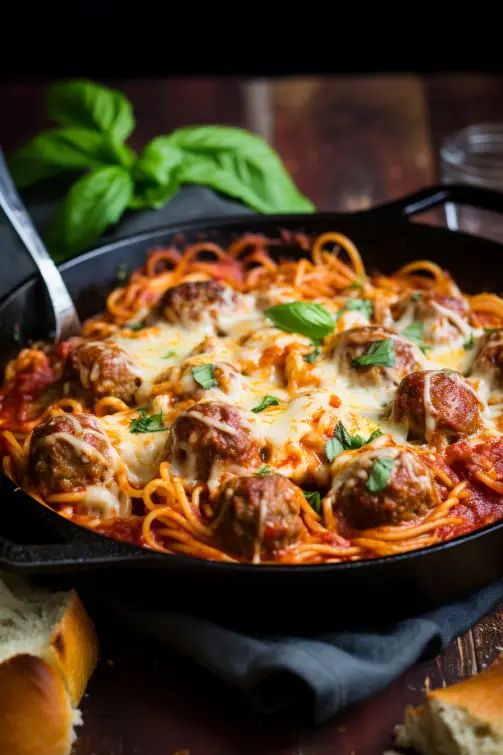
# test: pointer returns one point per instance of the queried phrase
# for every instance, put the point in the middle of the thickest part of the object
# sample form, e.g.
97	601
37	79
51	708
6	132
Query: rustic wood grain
349	142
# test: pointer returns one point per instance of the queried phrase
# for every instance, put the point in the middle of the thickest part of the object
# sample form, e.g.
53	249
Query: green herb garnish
135	326
92	126
381	353
380	474
266	401
307	318
470	343
414	332
147	424
204	375
343	441
359	305
358	282
263	470
314	354
314	499
169	354
122	272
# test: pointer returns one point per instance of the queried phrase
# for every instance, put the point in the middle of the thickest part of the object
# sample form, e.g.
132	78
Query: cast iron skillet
52	545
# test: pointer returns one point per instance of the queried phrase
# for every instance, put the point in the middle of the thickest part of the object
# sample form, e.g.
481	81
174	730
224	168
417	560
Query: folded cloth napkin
317	674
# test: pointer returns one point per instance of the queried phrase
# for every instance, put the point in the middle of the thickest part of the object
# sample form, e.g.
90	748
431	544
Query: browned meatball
197	301
208	433
382	486
258	516
68	453
444	319
488	361
105	369
388	367
437	405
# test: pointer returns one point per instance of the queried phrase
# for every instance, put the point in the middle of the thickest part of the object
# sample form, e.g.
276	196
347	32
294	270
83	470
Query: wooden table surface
349	143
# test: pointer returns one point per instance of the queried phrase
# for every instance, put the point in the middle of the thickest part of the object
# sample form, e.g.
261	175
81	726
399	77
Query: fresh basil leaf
157	161
58	151
135	326
343	441
358	282
204	375
94	202
470	343
147	196
313	498
381	353
308	319
263	470
414	332
380	475
147	424
238	163
90	105
169	354
266	401
313	355
359	305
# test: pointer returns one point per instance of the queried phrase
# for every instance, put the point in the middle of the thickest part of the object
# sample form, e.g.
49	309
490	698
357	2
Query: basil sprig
415	332
306	318
313	497
204	375
380	474
263	470
380	353
93	125
147	424
266	401
343	441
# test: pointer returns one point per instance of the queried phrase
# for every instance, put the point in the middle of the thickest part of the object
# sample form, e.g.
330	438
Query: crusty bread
48	650
462	719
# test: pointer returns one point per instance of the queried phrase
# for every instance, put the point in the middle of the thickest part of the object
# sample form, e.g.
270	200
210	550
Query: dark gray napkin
319	674
316	675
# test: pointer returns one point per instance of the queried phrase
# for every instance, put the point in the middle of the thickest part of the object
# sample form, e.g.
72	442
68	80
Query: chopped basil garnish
204	375
380	353
343	441
266	401
469	344
314	499
122	271
314	354
147	424
263	470
414	332
135	326
380	475
169	354
307	318
359	305
358	282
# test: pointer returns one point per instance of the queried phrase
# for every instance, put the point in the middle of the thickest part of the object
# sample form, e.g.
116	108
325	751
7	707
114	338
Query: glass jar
474	156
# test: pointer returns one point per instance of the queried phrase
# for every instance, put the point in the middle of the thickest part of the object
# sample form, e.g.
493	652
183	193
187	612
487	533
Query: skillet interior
408	581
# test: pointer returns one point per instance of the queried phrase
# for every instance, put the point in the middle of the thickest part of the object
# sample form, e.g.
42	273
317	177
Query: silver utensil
66	319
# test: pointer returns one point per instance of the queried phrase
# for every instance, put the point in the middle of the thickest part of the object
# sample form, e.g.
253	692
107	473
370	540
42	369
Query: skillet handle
426	199
88	552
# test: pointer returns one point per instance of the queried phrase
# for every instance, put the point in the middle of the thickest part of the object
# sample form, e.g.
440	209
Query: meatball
437	405
488	360
105	369
258	516
387	367
381	486
68	453
445	319
209	433
198	301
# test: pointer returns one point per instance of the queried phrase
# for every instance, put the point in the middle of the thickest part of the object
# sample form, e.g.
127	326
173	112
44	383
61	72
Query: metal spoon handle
66	319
